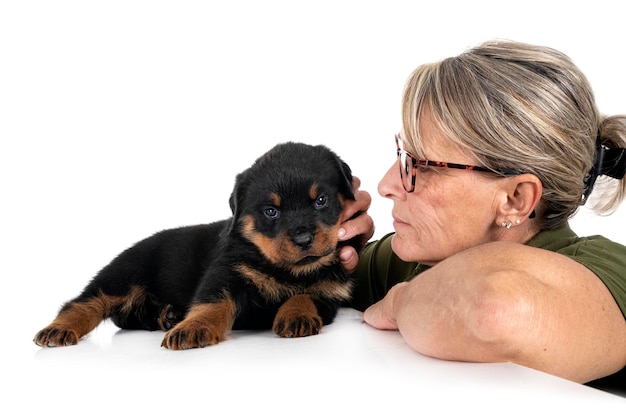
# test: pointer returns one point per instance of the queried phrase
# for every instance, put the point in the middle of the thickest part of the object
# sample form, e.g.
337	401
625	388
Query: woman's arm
510	302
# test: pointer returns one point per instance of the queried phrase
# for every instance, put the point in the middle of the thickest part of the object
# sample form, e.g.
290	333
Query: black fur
273	264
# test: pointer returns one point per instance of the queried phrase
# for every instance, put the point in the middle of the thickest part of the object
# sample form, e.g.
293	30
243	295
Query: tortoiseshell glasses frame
408	167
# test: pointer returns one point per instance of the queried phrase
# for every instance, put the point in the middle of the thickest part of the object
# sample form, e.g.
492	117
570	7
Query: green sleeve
605	258
378	270
608	261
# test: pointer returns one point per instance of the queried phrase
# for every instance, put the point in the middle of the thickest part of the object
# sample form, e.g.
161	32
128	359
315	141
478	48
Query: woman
499	147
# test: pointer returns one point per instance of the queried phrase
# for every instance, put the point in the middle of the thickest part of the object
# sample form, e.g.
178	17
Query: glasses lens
406	172
406	167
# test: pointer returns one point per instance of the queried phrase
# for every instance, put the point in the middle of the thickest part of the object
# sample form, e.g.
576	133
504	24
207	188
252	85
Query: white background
121	118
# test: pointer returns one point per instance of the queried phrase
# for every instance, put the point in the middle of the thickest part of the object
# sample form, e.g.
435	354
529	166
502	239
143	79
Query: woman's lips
398	223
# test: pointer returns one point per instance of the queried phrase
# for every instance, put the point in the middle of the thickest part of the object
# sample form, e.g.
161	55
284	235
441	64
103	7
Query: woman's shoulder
565	241
603	257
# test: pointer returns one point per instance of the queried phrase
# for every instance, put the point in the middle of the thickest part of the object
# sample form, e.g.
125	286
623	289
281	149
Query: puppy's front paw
295	325
205	325
192	335
56	337
297	317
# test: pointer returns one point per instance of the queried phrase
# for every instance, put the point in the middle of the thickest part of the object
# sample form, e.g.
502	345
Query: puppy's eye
271	212
321	202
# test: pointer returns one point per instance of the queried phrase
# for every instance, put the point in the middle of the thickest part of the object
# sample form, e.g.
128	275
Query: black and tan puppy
273	264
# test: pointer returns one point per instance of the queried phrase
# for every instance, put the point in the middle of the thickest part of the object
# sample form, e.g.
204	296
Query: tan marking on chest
276	291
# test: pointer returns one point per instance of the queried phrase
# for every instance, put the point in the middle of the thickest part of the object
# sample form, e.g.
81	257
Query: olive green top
379	268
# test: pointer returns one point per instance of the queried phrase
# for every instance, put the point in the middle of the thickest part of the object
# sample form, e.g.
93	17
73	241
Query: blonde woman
499	147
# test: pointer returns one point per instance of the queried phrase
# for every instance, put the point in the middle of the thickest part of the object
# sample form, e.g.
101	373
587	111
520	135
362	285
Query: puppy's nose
304	239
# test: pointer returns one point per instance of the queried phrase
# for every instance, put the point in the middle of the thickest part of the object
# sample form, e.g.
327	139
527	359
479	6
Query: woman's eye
271	212
321	202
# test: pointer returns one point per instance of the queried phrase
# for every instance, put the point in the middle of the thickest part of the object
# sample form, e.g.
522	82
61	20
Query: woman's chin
400	247
409	250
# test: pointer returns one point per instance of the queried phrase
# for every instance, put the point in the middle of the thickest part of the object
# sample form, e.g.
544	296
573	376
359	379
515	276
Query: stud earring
518	221
506	224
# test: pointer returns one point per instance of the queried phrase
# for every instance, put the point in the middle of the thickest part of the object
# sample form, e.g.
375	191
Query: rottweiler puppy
273	264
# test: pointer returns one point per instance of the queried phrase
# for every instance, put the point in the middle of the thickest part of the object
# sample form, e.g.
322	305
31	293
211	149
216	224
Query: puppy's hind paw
55	337
169	317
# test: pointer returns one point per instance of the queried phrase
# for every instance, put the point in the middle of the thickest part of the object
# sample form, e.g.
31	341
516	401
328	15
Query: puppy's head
289	204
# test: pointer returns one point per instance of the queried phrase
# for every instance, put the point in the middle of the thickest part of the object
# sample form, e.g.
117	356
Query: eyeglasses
409	166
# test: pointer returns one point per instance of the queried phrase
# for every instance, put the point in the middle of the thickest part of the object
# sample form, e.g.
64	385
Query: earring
518	221
506	224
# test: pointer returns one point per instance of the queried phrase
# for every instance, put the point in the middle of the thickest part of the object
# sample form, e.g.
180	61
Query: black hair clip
609	161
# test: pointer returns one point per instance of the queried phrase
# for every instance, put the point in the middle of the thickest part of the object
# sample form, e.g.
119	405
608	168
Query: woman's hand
381	314
356	222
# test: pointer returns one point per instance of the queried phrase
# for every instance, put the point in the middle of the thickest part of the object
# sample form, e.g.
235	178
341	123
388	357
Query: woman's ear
521	196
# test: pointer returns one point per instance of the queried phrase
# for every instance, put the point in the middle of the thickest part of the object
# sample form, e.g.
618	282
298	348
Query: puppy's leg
298	317
204	325
78	317
73	322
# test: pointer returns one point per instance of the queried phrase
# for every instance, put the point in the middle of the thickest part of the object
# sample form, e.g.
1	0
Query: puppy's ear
236	198
345	186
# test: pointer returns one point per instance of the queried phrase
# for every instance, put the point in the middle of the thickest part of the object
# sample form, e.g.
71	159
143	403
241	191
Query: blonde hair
523	107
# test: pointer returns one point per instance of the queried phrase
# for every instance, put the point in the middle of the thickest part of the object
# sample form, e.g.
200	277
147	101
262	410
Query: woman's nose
391	183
